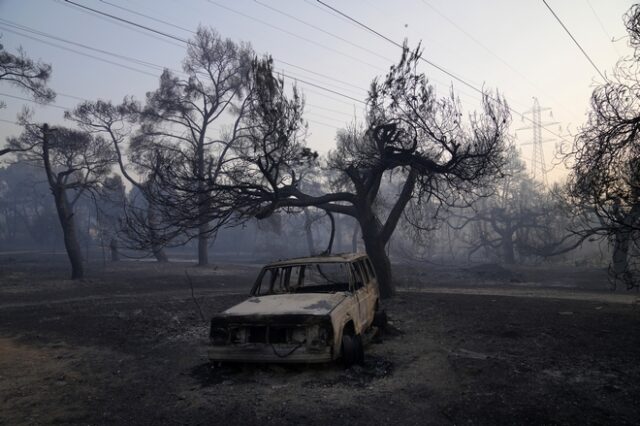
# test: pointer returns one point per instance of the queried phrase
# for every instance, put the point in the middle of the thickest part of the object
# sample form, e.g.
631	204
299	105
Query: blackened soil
128	346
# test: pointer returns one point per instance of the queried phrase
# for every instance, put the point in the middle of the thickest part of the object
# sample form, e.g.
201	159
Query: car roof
333	258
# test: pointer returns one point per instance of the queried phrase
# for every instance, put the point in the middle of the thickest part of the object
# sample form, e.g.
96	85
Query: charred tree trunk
380	261
203	245
338	240
620	256
156	247
376	235
64	209
310	242
69	233
308	223
623	238
159	253
354	238
507	248
70	236
374	243
332	234
113	248
203	204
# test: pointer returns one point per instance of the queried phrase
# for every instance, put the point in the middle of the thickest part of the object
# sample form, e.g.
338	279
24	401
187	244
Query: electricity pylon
538	165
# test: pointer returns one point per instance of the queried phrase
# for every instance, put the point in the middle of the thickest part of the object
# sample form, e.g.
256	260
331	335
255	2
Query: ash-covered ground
480	344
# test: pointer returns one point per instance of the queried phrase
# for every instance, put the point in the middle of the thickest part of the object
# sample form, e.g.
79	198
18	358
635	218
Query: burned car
312	309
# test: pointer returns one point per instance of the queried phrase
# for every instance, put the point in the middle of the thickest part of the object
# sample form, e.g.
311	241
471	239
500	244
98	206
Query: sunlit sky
517	47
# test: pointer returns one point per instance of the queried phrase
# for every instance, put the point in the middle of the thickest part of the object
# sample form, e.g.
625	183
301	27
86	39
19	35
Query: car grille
268	334
257	335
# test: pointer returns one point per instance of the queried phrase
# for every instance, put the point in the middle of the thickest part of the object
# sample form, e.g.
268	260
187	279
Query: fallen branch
193	296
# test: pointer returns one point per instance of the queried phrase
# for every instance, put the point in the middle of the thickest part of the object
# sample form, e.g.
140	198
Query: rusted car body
312	309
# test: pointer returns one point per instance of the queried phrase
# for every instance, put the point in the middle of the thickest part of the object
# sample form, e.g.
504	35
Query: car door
362	295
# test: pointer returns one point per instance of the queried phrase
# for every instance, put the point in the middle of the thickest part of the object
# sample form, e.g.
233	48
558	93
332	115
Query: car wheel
359	350
352	350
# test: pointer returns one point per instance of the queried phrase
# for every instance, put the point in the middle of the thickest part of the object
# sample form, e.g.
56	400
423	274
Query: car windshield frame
281	276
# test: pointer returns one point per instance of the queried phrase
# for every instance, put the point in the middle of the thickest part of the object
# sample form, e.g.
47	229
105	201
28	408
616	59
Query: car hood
287	304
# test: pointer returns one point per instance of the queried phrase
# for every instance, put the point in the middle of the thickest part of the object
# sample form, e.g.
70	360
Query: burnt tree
74	162
421	139
605	181
118	124
180	117
28	75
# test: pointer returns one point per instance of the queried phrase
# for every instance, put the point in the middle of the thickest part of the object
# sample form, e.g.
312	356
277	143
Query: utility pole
538	164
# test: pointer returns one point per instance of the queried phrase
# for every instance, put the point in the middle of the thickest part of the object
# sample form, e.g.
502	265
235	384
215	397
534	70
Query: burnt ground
475	345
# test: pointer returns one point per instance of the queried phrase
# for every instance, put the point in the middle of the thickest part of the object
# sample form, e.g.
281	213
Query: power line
35	102
292	34
328	12
328	33
129	22
438	67
78	52
574	40
368	28
324	95
318	74
24	28
119	56
120	24
9	121
148	17
323	124
40	33
604	30
474	39
149	64
329	109
329	90
322	30
315	114
483	46
291	75
84	46
72	97
99	13
126	21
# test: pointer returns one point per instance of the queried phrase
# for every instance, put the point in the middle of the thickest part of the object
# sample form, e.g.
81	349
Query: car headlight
317	336
298	335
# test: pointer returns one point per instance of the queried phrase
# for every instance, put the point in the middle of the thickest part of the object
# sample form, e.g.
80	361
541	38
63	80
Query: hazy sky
515	46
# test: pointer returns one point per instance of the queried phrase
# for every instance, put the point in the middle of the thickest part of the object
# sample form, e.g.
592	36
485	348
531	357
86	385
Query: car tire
359	350
352	350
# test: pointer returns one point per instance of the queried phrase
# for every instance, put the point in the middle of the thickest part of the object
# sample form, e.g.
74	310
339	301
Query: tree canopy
409	132
605	162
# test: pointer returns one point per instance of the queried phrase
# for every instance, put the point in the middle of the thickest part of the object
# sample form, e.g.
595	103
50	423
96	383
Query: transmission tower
538	165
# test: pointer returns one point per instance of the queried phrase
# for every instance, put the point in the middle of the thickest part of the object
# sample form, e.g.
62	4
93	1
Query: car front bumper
265	352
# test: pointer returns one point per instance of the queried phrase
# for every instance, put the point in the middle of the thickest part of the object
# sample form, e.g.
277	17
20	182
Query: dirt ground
478	345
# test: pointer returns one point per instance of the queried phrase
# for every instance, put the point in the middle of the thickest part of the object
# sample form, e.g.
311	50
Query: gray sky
515	46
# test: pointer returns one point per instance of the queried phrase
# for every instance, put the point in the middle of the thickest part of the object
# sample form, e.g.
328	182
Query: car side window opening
358	282
296	280
270	282
284	281
363	271
325	278
305	278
